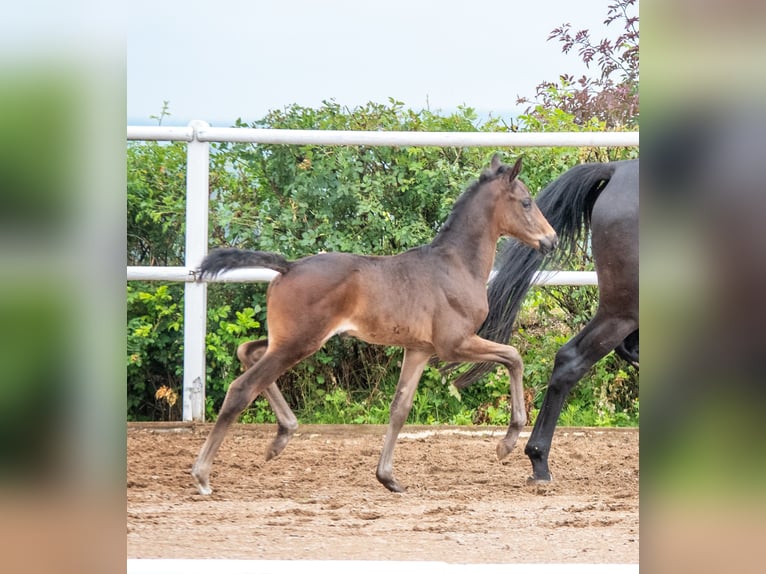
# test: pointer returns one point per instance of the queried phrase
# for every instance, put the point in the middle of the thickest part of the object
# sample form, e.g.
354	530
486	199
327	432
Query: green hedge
299	200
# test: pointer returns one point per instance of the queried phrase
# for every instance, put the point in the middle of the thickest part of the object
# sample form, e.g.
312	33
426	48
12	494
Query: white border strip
187	566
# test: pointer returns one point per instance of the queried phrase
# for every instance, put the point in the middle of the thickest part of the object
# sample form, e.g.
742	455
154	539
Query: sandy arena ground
320	499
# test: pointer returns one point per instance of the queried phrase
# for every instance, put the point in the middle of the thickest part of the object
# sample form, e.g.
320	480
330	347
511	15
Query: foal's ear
515	170
496	163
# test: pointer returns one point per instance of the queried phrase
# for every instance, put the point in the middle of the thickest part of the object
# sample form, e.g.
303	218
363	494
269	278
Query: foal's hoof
390	483
203	486
394	486
271	452
505	446
277	446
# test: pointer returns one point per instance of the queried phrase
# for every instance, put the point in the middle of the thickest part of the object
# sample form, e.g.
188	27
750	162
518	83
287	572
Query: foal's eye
526	203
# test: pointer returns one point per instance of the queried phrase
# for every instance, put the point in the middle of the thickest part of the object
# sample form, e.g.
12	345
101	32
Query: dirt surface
320	498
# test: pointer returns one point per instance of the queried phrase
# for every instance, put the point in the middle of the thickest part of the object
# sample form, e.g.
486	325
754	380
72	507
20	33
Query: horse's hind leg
412	368
628	349
602	334
241	393
250	353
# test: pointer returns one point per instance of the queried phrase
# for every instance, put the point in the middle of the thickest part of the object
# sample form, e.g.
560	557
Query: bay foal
429	300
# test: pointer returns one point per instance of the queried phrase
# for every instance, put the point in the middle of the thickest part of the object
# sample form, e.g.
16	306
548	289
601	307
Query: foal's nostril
549	243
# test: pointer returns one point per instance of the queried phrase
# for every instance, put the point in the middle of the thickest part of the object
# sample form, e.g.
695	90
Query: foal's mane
465	198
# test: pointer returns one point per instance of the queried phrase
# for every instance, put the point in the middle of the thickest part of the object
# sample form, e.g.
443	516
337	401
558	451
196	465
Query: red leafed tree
610	96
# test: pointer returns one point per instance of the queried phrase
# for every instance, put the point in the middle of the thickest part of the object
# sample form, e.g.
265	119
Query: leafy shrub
154	355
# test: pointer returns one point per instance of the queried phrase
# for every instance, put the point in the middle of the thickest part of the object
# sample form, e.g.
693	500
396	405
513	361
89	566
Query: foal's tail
567	204
220	260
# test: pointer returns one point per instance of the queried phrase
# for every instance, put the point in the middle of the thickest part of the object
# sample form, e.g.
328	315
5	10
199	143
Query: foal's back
391	300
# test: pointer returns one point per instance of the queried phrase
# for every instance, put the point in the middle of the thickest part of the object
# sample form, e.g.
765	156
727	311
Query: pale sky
224	59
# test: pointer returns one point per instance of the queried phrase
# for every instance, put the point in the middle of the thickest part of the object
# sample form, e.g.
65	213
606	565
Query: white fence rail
198	134
202	132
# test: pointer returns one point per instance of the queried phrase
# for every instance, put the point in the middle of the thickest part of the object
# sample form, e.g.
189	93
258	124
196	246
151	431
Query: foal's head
515	213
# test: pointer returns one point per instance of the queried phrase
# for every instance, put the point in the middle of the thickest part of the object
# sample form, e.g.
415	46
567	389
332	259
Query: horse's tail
567	204
220	260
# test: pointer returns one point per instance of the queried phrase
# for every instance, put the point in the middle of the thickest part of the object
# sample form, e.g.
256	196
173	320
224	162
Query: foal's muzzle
548	243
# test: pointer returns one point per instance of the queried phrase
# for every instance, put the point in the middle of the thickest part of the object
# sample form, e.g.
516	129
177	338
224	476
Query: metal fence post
195	294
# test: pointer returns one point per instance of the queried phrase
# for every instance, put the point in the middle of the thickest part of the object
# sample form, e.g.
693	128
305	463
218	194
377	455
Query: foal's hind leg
241	393
412	367
250	353
474	349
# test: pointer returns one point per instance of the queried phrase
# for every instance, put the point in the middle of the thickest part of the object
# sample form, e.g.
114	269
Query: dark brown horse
429	300
600	198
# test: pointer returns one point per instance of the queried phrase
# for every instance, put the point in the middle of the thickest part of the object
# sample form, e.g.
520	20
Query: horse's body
429	300
602	197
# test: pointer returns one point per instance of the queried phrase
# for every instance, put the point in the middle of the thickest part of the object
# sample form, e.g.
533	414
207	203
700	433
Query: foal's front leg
412	368
249	354
474	349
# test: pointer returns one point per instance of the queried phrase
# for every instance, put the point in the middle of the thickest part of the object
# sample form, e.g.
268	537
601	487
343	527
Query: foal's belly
389	333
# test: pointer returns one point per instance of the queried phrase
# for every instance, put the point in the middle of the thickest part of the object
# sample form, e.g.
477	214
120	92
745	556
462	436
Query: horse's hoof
539	481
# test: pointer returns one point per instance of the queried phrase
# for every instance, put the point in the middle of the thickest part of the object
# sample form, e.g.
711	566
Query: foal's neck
470	236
